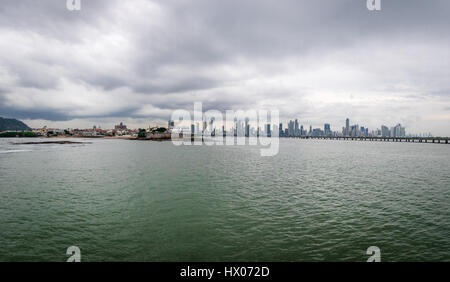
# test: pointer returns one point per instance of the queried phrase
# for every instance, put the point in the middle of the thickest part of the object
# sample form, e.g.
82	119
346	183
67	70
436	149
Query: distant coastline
29	134
167	136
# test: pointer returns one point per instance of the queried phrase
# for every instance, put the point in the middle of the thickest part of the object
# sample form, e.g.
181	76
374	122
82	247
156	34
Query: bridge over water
435	140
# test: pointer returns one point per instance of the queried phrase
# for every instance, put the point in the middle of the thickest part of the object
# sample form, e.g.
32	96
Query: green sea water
316	200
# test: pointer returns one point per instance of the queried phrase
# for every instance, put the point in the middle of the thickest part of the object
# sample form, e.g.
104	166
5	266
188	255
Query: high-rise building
211	124
291	128
317	132
347	127
327	129
354	131
268	129
274	130
385	131
296	128
398	131
402	132
247	127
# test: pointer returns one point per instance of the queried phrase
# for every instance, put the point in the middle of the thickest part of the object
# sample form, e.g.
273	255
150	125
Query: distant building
120	126
268	130
347	127
317	132
398	131
327	129
385	132
247	127
291	128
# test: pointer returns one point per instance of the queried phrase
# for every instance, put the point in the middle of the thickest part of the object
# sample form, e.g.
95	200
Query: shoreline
168	137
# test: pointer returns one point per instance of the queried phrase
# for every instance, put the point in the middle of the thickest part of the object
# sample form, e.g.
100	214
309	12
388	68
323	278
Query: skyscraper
327	129
247	127
398	131
385	131
291	128
347	127
268	129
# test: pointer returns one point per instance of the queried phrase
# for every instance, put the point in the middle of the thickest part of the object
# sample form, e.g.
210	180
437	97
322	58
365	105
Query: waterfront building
317	132
327	129
385	132
120	126
268	130
398	131
247	127
291	128
347	127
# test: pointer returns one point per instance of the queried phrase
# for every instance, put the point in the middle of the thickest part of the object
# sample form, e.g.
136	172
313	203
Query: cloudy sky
138	61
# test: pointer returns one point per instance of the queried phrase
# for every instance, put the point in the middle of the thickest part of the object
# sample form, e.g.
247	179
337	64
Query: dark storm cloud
136	55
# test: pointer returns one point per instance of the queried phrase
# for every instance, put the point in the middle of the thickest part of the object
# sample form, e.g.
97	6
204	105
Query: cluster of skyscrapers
294	129
239	128
242	127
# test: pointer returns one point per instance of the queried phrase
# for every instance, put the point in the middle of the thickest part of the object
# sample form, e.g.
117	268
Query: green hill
12	124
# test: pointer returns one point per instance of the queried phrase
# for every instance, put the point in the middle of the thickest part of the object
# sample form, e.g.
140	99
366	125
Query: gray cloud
143	59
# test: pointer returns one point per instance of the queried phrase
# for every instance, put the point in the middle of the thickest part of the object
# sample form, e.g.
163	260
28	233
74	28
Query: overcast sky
137	61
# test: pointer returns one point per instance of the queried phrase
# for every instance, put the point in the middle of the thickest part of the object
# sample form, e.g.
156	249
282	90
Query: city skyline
287	124
245	127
